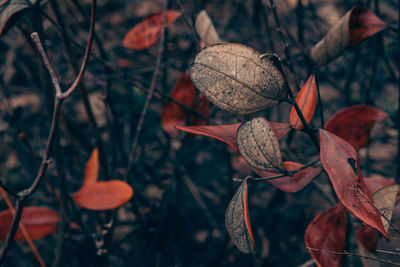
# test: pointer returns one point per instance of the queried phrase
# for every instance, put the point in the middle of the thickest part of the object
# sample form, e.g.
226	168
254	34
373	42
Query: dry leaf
205	29
385	200
355	26
259	146
237	220
235	79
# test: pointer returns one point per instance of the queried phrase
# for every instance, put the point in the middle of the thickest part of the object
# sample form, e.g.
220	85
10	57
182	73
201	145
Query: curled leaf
227	133
205	29
295	183
259	146
38	222
340	161
184	93
10	10
356	25
104	195
354	124
327	233
237	220
235	79
148	32
307	101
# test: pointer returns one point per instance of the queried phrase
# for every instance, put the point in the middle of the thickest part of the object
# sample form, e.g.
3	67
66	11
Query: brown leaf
295	183
104	195
184	93
38	222
205	29
327	232
92	168
259	146
340	161
354	124
237	220
356	25
307	101
148	32
385	200
227	133
235	79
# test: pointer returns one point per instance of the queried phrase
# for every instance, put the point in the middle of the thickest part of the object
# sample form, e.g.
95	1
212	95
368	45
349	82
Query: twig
289	173
133	154
320	106
24	194
398	105
352	254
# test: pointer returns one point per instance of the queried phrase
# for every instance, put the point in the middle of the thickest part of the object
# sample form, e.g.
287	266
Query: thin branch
87	53
289	173
352	254
54	80
133	154
24	194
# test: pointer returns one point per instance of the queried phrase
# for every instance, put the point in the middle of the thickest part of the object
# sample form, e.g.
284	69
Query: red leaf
38	221
183	92
104	195
307	101
340	161
354	124
367	237
375	184
227	133
295	183
147	32
327	232
237	220
92	168
363	24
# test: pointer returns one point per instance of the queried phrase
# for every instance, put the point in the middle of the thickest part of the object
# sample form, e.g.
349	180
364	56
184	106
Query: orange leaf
104	195
227	133
292	184
307	101
340	161
327	232
354	124
92	168
147	32
363	24
173	114
38	222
